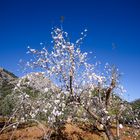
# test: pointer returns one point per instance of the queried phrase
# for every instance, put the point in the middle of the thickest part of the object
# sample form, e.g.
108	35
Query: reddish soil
71	132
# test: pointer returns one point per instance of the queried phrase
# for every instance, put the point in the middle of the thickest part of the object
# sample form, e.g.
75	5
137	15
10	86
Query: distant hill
35	83
136	106
6	82
6	75
136	102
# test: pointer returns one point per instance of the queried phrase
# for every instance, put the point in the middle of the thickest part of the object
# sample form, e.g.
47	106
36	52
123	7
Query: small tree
68	68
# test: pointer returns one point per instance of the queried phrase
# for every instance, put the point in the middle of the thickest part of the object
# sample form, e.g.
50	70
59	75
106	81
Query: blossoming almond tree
77	87
68	68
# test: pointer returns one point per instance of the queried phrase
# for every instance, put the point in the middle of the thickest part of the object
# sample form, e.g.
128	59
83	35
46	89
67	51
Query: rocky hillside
6	75
6	82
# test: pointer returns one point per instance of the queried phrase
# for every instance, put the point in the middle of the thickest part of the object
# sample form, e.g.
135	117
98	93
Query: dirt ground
71	132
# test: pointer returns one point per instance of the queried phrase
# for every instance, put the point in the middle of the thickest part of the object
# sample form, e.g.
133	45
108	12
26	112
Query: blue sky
29	22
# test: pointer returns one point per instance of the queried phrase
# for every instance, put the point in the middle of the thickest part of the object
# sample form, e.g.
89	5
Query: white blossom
120	126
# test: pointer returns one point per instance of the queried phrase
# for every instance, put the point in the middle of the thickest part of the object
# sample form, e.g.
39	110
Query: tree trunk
108	133
106	127
117	128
